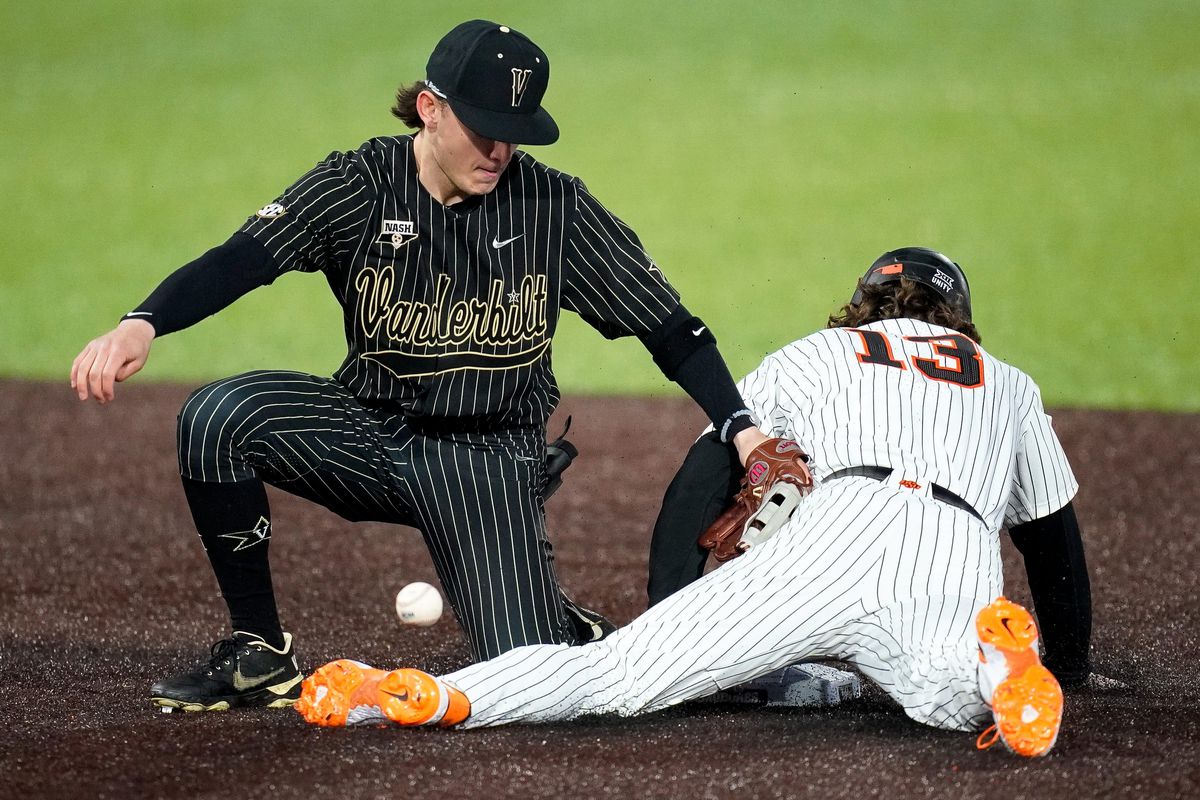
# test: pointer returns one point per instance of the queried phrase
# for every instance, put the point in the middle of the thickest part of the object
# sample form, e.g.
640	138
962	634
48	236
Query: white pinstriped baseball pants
476	498
883	578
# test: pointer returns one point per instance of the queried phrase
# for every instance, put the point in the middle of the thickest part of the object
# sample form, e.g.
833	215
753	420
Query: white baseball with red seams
419	603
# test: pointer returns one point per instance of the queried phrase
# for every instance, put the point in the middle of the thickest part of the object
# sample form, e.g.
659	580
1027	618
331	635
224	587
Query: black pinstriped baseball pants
475	497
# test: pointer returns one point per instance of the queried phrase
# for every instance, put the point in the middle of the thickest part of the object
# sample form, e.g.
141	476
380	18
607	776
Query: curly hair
903	299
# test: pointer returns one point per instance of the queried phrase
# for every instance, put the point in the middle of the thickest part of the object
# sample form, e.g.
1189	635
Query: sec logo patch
271	211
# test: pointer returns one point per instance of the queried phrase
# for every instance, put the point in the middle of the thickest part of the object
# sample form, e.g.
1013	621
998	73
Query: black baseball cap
494	78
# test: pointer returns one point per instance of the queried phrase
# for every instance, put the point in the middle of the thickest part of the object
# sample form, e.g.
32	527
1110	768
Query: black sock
234	523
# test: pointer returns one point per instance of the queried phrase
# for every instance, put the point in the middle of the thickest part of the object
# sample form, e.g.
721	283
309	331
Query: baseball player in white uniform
922	446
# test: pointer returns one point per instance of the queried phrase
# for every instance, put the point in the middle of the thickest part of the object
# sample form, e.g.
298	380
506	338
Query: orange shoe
342	693
348	692
1026	700
412	697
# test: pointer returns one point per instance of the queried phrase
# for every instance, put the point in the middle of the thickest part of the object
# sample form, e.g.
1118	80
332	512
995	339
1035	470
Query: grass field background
765	152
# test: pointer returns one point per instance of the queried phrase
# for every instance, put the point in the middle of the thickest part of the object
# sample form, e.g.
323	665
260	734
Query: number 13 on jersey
956	358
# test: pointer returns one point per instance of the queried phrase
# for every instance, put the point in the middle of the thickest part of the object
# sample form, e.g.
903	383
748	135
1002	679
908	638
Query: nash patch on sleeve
271	211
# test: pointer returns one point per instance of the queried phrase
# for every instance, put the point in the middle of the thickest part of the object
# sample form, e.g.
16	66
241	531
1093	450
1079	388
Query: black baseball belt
881	474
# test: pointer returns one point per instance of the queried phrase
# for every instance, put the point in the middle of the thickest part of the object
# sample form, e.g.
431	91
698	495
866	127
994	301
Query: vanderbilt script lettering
486	322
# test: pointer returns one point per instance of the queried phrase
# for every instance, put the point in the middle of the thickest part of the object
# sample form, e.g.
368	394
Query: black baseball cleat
588	625
242	671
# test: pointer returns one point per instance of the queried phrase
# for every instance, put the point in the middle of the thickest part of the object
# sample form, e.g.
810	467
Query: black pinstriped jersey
449	311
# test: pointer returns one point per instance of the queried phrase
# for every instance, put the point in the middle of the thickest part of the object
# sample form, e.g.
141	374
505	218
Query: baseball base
796	686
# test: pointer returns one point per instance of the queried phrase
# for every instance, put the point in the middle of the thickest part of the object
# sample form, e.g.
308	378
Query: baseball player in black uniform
452	254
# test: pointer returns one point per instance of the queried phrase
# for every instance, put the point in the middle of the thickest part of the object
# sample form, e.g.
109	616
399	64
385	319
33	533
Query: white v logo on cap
520	81
494	78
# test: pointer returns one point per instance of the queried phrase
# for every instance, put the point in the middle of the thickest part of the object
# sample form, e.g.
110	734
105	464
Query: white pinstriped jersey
924	400
449	311
886	575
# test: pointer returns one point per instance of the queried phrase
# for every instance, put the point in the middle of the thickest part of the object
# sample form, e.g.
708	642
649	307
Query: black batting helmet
926	267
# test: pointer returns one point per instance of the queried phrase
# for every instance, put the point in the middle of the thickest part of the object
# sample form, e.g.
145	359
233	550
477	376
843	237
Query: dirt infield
105	588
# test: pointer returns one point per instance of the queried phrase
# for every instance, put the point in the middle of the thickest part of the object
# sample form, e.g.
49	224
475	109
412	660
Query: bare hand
111	358
746	440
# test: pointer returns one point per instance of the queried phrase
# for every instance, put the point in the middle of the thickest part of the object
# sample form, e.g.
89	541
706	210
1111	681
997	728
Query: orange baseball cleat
342	693
1026	700
412	697
345	692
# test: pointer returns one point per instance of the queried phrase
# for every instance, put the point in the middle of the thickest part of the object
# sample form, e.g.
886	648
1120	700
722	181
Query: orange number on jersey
966	364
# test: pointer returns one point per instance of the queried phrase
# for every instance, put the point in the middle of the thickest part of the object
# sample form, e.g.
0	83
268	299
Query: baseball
418	604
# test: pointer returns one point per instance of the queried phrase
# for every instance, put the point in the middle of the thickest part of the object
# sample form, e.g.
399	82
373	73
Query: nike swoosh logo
497	244
242	684
699	330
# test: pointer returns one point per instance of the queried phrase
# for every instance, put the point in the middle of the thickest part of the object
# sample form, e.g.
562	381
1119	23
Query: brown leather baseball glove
772	462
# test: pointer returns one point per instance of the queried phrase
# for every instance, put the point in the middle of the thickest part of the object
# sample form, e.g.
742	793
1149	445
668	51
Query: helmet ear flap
857	297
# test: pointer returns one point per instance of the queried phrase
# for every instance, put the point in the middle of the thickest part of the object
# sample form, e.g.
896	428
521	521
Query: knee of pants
209	422
941	688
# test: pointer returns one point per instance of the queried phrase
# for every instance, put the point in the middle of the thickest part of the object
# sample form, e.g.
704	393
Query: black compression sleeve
702	488
675	339
203	287
705	377
686	351
1062	597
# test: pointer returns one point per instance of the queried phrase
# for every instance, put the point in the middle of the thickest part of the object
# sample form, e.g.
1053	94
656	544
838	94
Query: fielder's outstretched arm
196	290
203	287
685	350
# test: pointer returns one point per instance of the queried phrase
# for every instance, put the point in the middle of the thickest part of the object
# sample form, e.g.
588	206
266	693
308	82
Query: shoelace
980	744
221	651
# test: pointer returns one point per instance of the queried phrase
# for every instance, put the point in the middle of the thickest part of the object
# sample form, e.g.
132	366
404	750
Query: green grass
765	153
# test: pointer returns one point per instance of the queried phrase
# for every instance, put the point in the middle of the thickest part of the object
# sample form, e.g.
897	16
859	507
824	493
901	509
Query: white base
797	686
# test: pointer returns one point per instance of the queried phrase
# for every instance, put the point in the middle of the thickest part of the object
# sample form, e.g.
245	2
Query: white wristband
745	412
